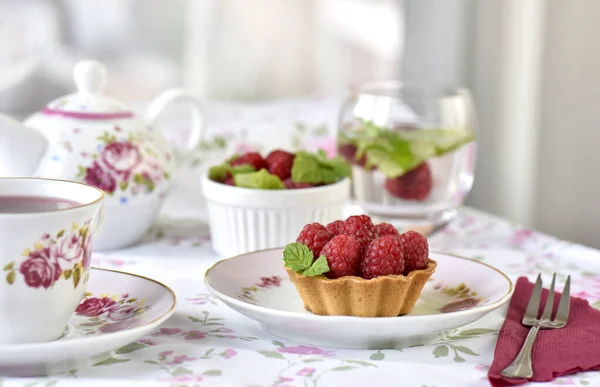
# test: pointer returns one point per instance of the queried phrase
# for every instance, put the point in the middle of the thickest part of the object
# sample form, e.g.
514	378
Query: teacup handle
99	222
169	96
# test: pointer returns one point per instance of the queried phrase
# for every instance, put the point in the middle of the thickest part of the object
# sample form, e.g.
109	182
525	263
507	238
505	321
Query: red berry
361	228
382	229
280	163
290	184
314	236
250	158
413	185
335	228
416	251
383	256
343	255
229	180
348	151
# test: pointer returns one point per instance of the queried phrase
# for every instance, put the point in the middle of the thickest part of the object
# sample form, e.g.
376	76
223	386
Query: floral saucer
118	309
460	291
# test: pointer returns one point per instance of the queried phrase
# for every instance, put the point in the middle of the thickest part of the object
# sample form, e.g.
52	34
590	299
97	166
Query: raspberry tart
356	268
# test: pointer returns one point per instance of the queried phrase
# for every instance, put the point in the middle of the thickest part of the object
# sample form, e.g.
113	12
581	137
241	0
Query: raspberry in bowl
356	268
257	202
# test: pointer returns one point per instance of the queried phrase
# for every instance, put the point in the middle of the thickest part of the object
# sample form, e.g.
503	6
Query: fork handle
521	366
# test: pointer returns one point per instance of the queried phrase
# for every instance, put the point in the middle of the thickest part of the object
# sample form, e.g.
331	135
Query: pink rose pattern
121	165
65	255
110	314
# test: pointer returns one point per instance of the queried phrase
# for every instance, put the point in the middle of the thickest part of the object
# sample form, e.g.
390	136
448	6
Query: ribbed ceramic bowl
244	220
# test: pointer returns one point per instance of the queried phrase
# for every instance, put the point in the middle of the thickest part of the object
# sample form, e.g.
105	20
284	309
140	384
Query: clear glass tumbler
413	152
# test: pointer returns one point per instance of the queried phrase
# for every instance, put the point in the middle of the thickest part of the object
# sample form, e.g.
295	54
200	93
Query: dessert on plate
356	268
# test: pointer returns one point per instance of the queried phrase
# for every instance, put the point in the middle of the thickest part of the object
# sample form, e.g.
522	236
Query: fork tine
534	300
547	314
562	313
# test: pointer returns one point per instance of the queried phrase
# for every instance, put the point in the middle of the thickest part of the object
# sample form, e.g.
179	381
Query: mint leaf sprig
219	172
260	180
316	168
395	152
299	258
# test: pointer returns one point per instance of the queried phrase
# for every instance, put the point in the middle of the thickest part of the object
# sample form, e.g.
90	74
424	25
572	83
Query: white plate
257	286
119	308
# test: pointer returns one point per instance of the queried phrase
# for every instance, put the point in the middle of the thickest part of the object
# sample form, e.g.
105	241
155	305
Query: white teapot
89	137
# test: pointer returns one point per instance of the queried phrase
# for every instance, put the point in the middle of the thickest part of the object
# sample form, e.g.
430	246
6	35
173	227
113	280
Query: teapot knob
90	76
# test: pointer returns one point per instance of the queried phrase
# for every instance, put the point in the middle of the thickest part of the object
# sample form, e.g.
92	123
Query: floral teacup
47	228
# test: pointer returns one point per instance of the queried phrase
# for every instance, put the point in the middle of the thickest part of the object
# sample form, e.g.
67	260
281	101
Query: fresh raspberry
348	151
361	228
416	251
250	158
343	255
335	228
383	229
414	185
290	184
280	163
383	256
229	180
314	236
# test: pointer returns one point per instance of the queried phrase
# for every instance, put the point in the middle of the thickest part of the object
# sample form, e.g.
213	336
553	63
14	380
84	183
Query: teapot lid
89	102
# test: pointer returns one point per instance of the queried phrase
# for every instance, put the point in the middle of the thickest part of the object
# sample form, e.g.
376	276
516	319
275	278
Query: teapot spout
21	148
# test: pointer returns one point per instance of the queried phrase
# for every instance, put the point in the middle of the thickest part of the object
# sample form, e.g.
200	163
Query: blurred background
530	64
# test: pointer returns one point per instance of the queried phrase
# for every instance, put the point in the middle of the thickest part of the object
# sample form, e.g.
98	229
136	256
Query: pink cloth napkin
556	352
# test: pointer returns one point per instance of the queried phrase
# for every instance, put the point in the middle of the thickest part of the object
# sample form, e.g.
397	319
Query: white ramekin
244	220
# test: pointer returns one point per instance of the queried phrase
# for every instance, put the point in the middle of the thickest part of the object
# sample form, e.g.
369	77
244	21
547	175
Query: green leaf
584	382
151	362
246	168
297	256
212	373
10	277
112	360
311	360
477	331
274	355
180	371
218	172
76	276
362	363
459	359
464	350
316	168
9	266
60	233
195	319
377	356
123	185
67	273
343	368
278	343
318	267
440	351
130	348
258	180
596	305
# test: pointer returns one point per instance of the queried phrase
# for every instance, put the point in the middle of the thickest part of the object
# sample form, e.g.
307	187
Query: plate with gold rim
118	308
460	291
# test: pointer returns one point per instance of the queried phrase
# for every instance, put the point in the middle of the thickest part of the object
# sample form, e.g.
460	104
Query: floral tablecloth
206	344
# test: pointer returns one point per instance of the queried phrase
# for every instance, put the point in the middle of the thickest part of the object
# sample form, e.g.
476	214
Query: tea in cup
47	229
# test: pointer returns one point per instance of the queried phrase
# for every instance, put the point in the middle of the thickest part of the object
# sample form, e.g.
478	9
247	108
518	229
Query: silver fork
521	366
